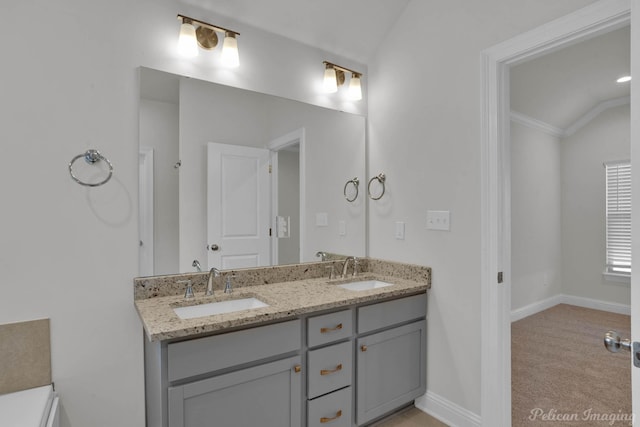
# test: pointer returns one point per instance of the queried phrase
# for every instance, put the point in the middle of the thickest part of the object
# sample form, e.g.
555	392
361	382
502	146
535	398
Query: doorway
496	277
288	197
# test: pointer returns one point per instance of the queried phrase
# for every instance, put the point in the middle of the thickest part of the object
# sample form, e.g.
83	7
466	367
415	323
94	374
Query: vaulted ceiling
353	29
563	87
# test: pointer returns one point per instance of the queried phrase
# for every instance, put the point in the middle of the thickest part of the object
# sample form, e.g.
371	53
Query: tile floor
411	417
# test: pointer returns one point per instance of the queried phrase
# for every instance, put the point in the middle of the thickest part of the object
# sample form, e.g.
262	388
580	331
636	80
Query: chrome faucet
345	266
213	273
196	264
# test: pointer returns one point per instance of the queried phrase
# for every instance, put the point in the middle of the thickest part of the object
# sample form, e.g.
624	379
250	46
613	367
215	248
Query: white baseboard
539	306
612	307
536	307
446	411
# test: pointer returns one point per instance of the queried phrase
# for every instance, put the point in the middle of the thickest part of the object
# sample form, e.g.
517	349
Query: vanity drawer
389	313
201	355
329	369
332	410
329	327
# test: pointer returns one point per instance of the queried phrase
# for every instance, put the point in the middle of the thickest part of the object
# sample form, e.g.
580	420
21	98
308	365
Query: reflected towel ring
356	183
381	179
91	157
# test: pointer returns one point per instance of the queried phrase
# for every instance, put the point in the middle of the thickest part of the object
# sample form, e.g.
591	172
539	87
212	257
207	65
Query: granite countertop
286	300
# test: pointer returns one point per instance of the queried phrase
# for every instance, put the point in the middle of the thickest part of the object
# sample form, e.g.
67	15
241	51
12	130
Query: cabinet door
267	395
391	368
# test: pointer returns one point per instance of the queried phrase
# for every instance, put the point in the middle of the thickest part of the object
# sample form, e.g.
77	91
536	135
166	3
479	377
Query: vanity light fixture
194	33
623	79
334	76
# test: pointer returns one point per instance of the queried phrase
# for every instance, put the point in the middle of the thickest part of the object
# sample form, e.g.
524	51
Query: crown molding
582	121
594	112
544	127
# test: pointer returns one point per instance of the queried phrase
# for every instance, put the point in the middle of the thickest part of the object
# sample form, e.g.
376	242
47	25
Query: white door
238	206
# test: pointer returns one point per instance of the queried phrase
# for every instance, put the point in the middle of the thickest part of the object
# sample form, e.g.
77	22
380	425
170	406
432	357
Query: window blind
618	227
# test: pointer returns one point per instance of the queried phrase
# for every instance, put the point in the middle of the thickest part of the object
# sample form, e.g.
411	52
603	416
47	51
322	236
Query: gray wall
424	113
604	139
536	220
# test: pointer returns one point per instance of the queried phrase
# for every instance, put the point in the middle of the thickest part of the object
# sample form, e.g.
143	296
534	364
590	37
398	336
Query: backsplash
25	355
160	286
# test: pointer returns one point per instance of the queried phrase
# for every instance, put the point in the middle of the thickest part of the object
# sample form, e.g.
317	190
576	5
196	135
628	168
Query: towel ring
91	157
356	183
381	179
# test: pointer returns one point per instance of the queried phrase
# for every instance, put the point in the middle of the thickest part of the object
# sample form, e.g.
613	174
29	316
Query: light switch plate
438	220
399	230
283	227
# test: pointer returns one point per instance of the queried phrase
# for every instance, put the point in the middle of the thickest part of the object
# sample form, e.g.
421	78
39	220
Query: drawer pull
325	330
363	348
331	371
297	369
328	420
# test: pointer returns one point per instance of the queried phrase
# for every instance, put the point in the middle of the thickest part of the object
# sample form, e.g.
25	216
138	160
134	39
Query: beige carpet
561	373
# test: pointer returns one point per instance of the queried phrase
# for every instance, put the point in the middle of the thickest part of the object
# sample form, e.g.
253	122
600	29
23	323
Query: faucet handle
332	271
356	261
188	292
228	287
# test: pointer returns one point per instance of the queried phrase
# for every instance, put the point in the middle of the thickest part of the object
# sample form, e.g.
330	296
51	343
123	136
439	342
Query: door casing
598	18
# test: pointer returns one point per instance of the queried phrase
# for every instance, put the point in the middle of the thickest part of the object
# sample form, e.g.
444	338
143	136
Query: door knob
614	344
213	247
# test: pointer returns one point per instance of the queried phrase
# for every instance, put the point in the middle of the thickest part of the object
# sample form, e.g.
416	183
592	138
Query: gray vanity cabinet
250	377
346	368
267	395
390	363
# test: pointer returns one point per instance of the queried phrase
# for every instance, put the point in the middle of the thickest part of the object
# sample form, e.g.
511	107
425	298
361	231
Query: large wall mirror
231	178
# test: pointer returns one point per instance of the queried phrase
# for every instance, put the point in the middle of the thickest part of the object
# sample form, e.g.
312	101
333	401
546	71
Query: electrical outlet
438	220
322	219
342	227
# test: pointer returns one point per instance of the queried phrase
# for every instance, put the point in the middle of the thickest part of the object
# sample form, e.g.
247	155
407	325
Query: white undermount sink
220	307
364	285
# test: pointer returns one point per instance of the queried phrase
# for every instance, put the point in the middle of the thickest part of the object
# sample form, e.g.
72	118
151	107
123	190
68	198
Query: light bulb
187	42
355	89
230	56
330	83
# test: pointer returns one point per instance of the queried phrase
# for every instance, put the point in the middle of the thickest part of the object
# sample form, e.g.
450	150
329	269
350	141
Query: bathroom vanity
316	355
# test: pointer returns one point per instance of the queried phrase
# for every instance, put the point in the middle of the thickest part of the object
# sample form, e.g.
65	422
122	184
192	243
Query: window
618	227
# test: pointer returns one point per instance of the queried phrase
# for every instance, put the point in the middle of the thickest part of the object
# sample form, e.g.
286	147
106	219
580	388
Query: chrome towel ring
91	157
381	179
356	183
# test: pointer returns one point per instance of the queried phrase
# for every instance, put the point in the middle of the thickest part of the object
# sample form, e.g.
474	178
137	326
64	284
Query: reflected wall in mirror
233	178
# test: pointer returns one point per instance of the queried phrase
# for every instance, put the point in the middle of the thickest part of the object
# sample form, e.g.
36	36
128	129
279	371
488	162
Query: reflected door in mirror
238	206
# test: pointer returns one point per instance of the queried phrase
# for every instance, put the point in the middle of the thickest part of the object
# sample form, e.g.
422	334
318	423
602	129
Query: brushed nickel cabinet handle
363	348
325	330
331	371
326	419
